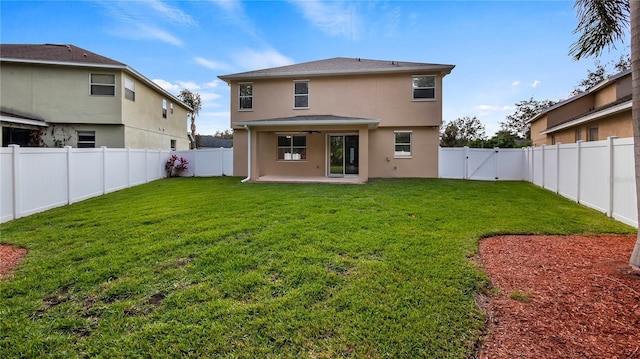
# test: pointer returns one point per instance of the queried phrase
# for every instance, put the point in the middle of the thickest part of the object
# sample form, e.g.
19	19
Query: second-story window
164	108
245	97
301	94
103	84
129	89
424	87
171	108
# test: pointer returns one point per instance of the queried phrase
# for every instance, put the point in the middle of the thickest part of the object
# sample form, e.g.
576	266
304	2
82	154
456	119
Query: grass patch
211	267
520	296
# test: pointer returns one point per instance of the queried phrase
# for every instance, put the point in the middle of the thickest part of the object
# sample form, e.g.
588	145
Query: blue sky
504	51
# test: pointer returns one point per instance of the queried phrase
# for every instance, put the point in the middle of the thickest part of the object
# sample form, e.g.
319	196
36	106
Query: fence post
146	165
558	167
15	158
610	147
69	174
542	160
104	169
128	167
465	163
496	153
579	168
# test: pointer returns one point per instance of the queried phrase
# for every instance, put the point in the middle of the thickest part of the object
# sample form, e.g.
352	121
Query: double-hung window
129	89
301	94
245	96
424	87
402	144
292	148
86	139
164	108
103	84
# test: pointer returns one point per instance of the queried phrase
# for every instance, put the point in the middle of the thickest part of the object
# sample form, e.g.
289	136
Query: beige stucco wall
536	127
57	94
57	135
424	159
605	95
385	97
145	126
618	125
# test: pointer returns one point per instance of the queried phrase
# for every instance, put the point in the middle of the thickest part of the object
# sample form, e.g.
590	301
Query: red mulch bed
10	257
577	296
561	297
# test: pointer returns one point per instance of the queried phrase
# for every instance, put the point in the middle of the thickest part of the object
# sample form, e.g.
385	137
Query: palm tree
192	99
602	23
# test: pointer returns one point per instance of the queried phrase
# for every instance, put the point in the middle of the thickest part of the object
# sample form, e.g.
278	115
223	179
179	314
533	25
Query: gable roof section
589	91
53	53
70	55
339	66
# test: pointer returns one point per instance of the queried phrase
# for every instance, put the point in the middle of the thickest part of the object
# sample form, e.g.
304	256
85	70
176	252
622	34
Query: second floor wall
386	97
84	95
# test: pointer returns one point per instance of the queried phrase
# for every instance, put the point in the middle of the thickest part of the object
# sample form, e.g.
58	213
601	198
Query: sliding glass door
342	155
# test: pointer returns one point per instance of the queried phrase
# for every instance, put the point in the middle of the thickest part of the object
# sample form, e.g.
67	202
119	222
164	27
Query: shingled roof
54	53
339	66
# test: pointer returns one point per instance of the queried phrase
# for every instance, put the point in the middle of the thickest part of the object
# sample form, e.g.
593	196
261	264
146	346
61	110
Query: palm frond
602	24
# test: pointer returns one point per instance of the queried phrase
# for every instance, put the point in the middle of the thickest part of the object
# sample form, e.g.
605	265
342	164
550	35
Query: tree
516	123
601	73
226	134
192	99
462	131
602	23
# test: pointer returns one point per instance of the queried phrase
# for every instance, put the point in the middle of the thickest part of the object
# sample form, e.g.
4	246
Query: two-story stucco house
346	118
62	95
600	112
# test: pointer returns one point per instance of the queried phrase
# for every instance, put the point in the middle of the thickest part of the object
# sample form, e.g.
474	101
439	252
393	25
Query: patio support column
363	156
253	156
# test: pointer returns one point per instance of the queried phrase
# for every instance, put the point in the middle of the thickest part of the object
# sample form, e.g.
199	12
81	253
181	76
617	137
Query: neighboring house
62	95
600	112
342	117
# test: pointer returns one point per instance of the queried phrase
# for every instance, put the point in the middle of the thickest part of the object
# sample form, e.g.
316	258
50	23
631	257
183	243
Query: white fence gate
484	164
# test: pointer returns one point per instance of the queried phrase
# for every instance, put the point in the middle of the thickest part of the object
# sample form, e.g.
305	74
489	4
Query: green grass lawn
215	268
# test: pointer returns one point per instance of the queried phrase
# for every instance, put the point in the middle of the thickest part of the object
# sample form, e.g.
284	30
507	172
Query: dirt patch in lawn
10	257
561	297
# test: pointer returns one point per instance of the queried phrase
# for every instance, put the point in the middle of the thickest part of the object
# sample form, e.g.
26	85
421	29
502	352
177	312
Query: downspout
248	154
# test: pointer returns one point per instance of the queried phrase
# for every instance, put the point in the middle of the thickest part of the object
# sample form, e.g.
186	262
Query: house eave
311	121
590	117
440	69
23	121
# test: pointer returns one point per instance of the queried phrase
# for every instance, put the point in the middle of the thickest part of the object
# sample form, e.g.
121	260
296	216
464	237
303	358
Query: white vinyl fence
36	179
599	175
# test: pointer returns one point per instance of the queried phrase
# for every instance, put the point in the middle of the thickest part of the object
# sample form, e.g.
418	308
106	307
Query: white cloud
213	84
333	18
254	59
189	85
213	65
535	84
490	110
209	96
173	88
515	83
144	20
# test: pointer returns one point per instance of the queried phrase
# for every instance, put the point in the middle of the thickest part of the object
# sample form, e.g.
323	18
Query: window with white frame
301	94
86	139
402	144
424	87
578	134
103	84
164	108
245	96
292	147
173	145
171	108
129	89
